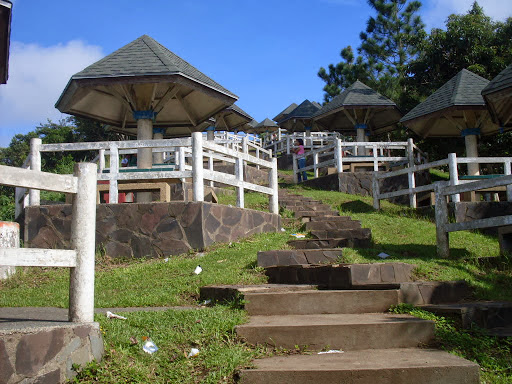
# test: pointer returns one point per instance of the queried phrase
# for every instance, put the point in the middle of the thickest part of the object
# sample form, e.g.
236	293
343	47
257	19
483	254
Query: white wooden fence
181	148
80	259
452	162
285	143
443	227
341	153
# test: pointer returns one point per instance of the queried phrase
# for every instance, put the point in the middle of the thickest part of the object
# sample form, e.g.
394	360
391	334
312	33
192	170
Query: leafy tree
389	43
472	41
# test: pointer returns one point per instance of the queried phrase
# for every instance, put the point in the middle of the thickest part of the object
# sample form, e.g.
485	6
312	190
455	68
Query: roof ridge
158	50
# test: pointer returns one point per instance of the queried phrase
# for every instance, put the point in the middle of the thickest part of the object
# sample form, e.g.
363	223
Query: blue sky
266	52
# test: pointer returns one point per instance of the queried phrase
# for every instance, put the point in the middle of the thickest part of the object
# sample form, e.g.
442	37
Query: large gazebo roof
462	90
281	115
358	104
498	96
145	76
455	107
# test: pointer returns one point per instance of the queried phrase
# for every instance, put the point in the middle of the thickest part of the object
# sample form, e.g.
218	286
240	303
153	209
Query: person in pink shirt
301	159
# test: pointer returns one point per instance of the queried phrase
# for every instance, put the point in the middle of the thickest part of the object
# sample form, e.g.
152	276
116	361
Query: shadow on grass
356	206
413	251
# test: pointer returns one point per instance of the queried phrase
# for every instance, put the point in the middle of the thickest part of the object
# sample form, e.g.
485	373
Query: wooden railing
80	259
452	162
443	227
315	141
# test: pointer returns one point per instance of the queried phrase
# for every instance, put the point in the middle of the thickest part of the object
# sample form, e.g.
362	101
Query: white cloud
436	11
37	77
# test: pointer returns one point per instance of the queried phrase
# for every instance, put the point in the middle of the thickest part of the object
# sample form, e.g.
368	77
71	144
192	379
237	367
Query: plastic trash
221	261
283	230
166	260
383	255
331	351
193	352
206	302
298	235
149	347
111	315
198	270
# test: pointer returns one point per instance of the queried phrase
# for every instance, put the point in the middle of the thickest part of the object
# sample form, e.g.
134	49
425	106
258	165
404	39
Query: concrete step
231	292
296	202
310	213
320	302
378	366
338	331
330	218
308	206
343	276
290	222
354	233
329	225
330	243
298	257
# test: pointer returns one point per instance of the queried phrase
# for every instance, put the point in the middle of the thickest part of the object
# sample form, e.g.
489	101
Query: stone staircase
373	346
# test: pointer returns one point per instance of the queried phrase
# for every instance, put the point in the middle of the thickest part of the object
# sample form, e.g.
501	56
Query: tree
472	41
389	43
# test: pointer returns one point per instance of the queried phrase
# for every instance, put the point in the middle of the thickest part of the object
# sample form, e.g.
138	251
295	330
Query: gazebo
281	115
233	118
498	96
144	89
456	109
358	111
300	119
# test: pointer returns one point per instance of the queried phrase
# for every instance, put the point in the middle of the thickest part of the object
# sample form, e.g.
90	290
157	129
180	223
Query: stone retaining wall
46	355
149	230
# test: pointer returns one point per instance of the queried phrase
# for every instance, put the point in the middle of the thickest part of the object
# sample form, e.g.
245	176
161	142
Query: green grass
175	333
494	355
399	231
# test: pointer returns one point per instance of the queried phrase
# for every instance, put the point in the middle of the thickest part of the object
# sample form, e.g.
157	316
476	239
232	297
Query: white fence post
454	174
441	214
410	152
239	174
273	184
509	187
197	166
287	145
101	161
295	169
375	158
375	191
35	165
315	163
83	234
114	173
339	156
210	167
412	185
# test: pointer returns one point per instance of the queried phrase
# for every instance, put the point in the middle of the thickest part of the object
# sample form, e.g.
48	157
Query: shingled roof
462	90
267	123
500	82
358	94
142	57
305	110
5	37
281	115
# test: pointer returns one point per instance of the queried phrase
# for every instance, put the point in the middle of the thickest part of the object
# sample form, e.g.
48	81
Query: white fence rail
180	149
341	155
443	227
285	143
452	162
83	223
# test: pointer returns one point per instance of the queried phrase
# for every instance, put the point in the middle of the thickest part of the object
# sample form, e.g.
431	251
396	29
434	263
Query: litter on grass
330	351
206	302
383	255
298	235
166	260
198	270
111	315
193	352
283	230
149	347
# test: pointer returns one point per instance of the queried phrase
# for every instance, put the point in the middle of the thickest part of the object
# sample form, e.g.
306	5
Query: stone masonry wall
149	230
46	355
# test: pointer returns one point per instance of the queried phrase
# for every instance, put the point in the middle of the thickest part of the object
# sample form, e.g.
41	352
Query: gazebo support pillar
158	134
210	133
144	155
470	136
361	138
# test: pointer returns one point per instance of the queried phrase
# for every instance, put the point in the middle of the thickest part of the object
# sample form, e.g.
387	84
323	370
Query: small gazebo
145	89
457	109
301	118
498	96
281	115
358	111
